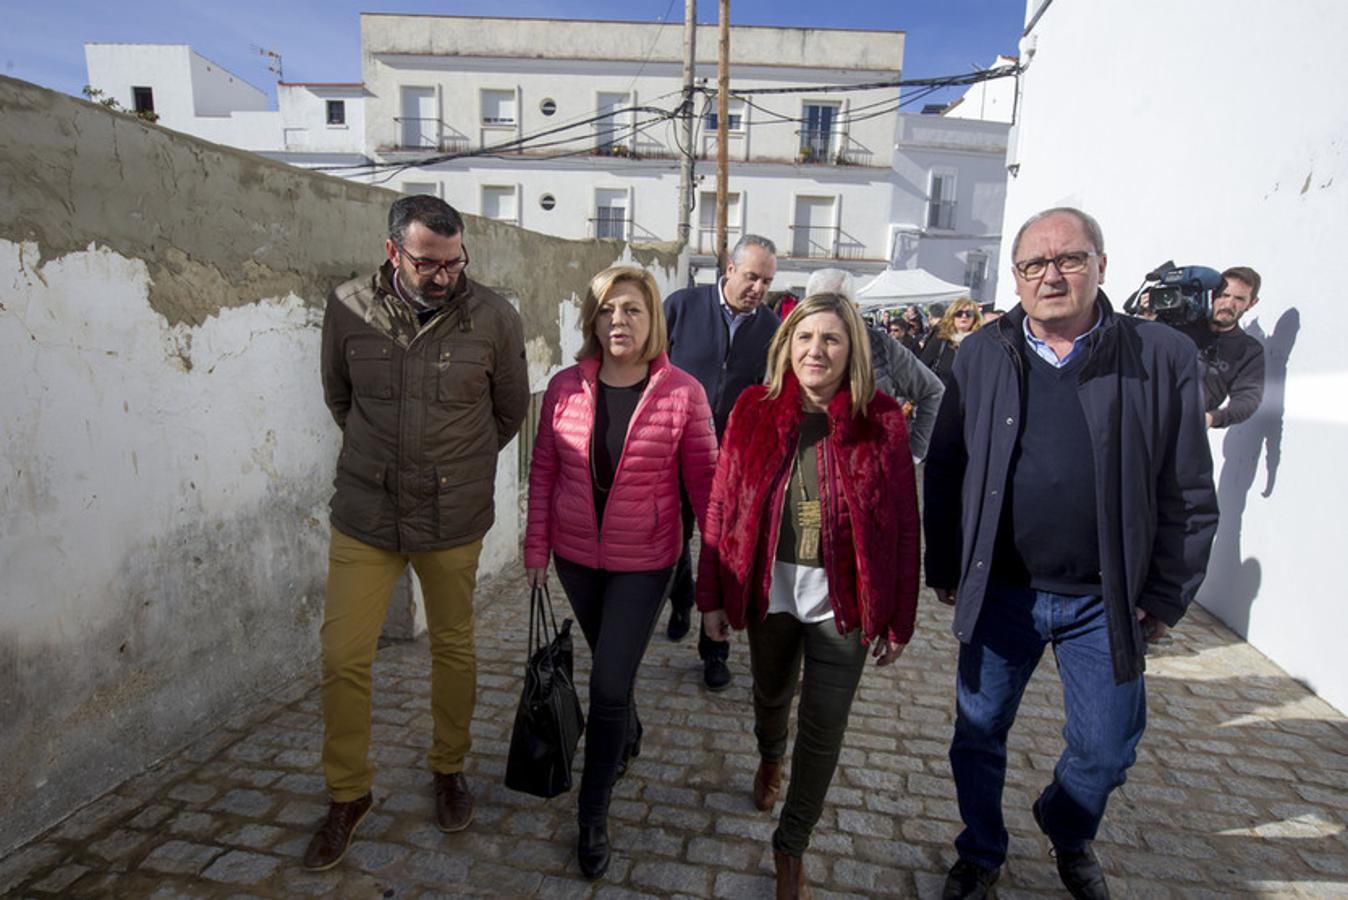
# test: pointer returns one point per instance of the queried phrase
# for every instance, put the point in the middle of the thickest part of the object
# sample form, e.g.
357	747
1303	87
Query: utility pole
722	117
686	164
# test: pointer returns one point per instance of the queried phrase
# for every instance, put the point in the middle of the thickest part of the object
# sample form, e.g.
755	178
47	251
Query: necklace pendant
808	520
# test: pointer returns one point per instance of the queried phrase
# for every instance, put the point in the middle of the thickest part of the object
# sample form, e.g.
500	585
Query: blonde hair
601	286
860	377
946	329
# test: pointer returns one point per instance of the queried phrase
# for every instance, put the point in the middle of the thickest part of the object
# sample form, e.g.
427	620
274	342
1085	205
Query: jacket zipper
825	519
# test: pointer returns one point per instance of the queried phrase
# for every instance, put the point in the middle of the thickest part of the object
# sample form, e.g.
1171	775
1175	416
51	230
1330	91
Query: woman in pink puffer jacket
617	433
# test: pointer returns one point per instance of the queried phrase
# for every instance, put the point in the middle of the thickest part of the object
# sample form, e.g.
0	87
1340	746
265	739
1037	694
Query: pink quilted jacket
670	433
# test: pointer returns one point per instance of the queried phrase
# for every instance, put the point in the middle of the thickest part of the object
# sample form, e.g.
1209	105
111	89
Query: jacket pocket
464	496
361	499
462	371
370	362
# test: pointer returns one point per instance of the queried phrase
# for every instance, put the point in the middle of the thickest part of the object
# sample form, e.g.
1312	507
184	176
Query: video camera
1176	294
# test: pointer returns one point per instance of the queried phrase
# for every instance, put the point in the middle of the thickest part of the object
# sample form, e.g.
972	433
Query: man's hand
886	651
1153	629
945	596
538	576
716	625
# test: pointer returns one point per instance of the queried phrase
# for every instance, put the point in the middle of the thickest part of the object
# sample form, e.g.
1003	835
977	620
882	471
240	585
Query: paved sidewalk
1241	788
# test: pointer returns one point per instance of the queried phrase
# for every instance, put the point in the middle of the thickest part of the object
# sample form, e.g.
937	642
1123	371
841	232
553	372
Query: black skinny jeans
617	612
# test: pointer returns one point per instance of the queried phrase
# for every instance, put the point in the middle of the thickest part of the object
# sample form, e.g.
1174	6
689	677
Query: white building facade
532	126
809	169
1129	110
948	199
314	125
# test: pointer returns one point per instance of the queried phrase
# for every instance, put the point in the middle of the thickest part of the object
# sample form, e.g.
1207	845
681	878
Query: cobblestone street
1241	788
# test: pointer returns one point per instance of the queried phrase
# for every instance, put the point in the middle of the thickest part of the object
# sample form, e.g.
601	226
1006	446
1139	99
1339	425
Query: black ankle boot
630	752
592	850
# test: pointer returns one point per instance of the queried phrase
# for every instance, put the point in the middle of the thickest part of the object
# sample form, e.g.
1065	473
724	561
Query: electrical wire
533	141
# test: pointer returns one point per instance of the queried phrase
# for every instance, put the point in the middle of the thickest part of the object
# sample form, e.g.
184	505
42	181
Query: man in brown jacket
424	371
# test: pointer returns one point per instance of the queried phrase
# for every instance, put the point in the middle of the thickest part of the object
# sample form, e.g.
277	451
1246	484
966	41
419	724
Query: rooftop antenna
273	61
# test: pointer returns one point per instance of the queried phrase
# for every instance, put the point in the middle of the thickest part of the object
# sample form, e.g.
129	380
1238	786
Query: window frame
142	99
329	106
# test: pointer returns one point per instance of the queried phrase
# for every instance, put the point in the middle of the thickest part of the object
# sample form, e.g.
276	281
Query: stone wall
166	458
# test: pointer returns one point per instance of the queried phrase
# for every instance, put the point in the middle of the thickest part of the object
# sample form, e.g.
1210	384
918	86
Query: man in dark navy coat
719	333
1068	502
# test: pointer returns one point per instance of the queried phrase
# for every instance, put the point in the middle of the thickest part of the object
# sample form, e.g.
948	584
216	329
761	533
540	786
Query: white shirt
801	591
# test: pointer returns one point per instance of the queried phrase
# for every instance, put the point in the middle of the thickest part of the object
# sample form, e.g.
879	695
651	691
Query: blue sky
319	40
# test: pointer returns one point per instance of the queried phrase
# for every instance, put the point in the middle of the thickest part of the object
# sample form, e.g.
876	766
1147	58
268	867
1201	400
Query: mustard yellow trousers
361	579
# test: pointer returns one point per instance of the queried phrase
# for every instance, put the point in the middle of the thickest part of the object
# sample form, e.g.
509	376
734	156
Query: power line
624	132
939	82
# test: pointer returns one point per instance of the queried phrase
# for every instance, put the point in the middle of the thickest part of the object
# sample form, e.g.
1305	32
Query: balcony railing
426	134
614	148
817	146
834	148
824	242
610	225
941	214
814	242
706	239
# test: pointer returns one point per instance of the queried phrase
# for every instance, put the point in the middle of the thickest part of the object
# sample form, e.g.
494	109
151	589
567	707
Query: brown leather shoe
791	883
329	845
453	801
767	782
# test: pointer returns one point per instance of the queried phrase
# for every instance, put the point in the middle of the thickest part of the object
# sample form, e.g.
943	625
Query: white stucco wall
457	59
186	85
574	86
768	194
253	131
1137	111
218	92
165	68
989	101
303	109
974	152
136	492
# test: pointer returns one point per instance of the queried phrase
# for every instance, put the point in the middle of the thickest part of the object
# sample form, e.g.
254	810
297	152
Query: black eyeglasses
433	266
1066	263
964	314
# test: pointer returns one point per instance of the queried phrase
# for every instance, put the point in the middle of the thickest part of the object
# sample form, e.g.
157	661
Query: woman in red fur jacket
616	433
811	542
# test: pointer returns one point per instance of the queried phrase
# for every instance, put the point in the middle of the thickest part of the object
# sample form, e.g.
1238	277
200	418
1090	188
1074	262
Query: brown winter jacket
424	410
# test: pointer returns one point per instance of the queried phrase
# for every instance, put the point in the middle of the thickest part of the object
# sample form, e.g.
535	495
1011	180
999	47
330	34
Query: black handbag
549	721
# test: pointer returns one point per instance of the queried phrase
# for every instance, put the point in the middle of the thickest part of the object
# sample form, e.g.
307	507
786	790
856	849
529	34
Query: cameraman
1233	362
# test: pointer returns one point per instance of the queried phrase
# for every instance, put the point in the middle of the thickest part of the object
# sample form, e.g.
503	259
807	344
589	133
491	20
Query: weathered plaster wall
166	459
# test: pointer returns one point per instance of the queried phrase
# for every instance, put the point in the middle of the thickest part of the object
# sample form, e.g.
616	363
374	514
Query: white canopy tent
899	287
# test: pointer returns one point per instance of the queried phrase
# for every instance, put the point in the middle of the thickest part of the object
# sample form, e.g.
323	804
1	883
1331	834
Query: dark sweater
1233	366
1047	536
1157	507
699	343
612	417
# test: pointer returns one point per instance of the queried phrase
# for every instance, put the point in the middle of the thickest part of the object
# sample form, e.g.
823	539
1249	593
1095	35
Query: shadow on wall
1233	580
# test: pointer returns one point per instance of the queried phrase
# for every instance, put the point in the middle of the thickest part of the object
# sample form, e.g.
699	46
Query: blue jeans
1104	720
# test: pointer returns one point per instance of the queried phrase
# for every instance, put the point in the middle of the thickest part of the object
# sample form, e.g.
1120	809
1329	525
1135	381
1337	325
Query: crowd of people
792	444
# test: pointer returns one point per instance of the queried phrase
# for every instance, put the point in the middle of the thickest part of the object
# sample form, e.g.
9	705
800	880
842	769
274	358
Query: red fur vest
869	538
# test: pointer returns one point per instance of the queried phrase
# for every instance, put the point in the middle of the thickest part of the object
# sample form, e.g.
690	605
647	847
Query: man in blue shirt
719	333
1068	502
